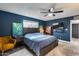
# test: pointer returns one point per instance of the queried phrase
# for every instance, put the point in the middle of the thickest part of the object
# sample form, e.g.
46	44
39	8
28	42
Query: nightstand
19	40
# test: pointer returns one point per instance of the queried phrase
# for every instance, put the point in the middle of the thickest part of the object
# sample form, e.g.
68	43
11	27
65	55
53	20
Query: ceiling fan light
50	14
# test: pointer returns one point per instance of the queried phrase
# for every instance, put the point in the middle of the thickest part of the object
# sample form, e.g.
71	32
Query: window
30	24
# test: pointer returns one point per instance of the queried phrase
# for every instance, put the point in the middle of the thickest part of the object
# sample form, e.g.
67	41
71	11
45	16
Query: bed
40	43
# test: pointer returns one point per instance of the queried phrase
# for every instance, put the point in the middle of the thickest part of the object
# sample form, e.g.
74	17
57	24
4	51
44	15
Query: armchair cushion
8	46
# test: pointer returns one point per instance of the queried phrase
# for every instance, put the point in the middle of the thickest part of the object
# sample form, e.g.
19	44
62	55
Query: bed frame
45	49
48	48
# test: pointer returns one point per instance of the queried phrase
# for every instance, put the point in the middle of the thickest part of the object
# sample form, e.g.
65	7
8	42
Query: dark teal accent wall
66	22
6	20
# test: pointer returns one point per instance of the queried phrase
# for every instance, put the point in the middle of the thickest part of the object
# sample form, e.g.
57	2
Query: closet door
75	30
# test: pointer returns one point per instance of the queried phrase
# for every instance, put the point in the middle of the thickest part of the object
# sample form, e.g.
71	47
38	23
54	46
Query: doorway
74	31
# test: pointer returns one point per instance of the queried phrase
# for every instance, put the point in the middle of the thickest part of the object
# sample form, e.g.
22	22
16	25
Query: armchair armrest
1	43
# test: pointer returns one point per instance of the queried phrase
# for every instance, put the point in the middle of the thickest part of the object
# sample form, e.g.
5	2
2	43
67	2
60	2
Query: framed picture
17	29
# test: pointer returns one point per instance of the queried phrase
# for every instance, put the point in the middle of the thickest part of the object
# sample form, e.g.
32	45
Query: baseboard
64	41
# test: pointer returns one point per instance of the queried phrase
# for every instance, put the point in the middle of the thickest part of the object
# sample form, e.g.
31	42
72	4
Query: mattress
37	41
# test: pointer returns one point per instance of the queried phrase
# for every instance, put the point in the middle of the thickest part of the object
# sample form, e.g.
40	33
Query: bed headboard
31	30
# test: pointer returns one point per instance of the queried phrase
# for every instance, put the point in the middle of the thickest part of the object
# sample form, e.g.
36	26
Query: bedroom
26	26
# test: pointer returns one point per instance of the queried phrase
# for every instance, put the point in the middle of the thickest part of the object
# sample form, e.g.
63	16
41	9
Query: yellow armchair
6	43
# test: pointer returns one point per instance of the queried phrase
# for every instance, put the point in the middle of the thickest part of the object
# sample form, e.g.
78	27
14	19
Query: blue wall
6	20
66	22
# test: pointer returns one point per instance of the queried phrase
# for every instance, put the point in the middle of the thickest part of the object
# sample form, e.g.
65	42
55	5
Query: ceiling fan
52	11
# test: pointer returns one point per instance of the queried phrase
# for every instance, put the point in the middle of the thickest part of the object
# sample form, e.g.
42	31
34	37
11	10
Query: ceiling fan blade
44	12
53	14
45	15
58	11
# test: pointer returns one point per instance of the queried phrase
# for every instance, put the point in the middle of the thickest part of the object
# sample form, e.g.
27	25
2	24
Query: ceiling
33	9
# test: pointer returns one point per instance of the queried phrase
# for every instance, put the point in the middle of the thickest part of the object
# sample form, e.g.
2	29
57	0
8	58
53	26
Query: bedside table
19	40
